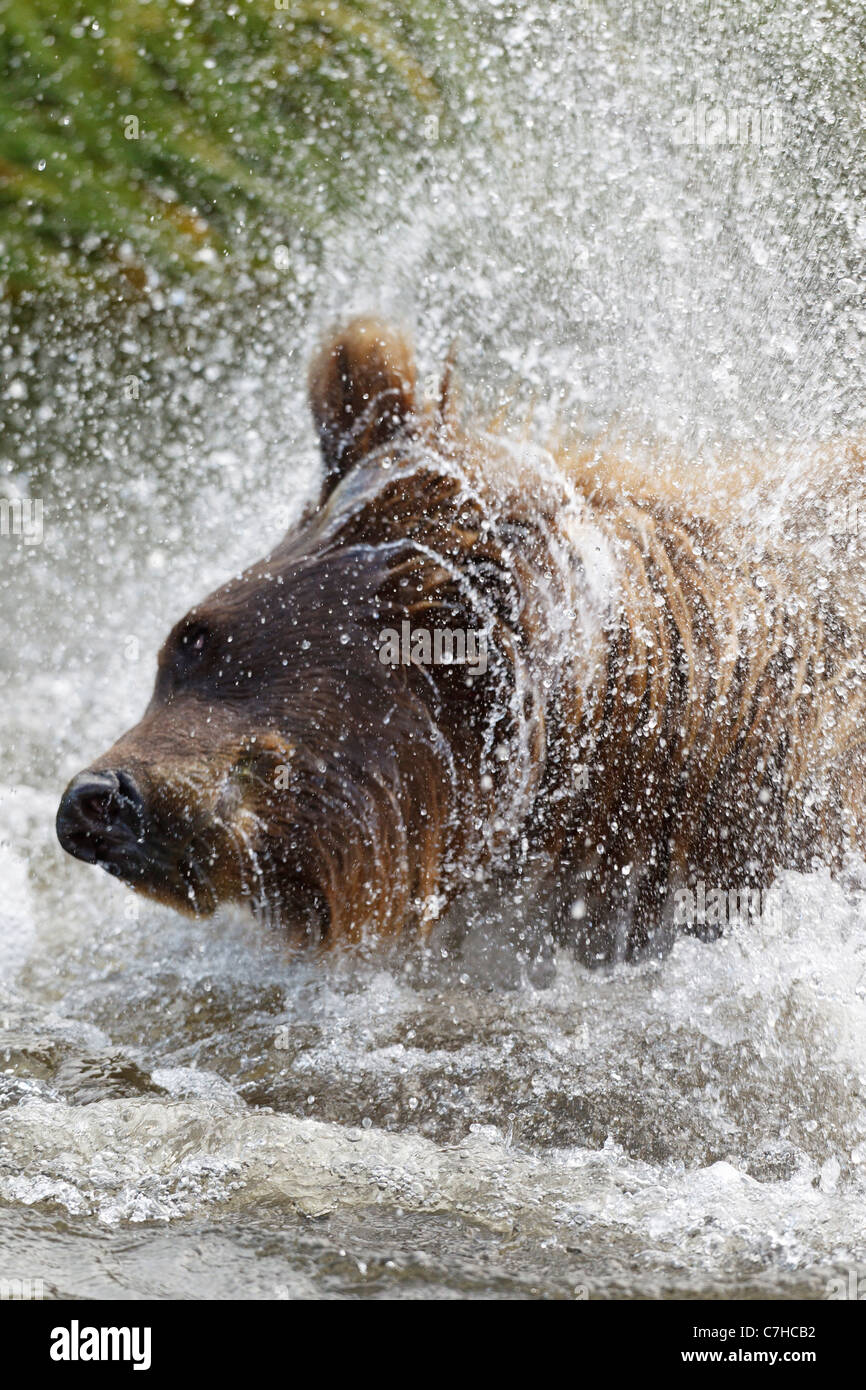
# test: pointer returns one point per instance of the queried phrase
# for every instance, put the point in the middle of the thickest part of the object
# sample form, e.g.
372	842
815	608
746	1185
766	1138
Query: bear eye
193	645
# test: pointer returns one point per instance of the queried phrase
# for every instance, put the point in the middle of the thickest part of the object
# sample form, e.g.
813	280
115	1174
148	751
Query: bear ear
362	393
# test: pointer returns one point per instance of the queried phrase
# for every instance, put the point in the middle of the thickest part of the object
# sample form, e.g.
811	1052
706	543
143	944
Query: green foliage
143	138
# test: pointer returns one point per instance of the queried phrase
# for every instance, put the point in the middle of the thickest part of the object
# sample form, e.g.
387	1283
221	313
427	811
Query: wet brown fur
673	693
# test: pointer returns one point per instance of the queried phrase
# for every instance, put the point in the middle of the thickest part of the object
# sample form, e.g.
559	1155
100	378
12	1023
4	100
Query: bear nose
101	817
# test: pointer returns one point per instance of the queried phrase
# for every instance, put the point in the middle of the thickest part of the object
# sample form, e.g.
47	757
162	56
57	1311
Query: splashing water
186	1109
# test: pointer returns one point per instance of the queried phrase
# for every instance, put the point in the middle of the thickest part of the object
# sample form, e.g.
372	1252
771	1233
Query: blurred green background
189	189
143	140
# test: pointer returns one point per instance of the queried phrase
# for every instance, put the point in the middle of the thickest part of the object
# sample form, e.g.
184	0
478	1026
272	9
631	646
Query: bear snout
101	819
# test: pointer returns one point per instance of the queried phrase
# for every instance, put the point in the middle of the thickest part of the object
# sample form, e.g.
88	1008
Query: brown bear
481	661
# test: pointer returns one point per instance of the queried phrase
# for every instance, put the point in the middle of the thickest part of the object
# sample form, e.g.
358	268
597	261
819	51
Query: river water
186	1110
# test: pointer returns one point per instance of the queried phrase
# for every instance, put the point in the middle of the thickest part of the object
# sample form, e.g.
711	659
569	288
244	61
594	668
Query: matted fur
673	692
